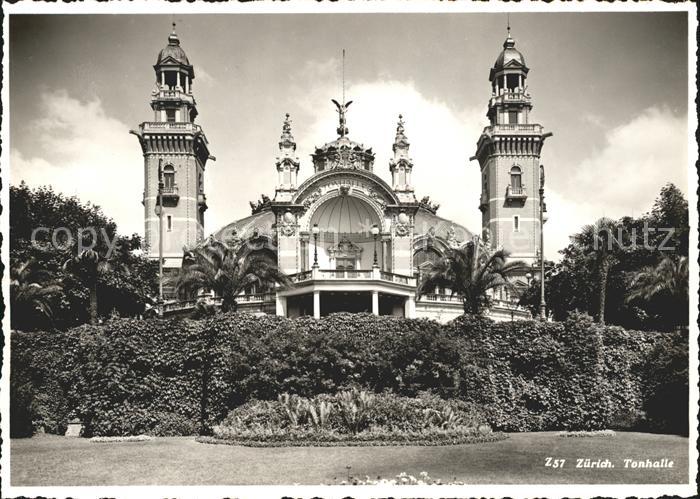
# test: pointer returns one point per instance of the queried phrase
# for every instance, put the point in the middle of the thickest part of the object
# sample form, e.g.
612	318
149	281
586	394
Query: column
162	78
385	256
375	302
317	304
410	307
178	79
281	305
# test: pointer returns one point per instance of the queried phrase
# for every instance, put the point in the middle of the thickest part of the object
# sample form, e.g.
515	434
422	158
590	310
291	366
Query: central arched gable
368	182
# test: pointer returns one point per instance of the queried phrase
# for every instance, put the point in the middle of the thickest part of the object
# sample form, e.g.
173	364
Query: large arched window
169	177
424	257
516	180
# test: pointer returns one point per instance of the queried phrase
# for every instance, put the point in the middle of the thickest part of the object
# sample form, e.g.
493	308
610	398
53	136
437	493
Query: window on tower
169	178
516	180
170	115
170	223
513	81
512	117
516	223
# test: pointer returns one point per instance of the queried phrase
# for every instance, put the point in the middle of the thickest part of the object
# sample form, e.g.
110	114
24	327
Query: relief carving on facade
287	224
312	198
402	224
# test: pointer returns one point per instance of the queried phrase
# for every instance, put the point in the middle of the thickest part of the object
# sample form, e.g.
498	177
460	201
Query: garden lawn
54	460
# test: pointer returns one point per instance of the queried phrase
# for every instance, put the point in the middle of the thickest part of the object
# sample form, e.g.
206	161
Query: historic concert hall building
349	240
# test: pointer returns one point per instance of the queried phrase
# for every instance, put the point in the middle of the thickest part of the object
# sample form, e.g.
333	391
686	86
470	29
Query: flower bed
402	478
353	418
580	434
364	439
132	438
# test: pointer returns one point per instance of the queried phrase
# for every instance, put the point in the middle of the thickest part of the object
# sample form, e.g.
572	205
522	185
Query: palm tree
596	241
217	267
88	265
470	272
669	277
31	293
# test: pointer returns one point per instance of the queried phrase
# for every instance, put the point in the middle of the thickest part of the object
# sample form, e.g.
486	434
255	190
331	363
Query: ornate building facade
349	240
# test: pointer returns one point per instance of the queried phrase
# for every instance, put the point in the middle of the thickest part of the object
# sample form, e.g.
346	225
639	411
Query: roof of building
245	228
509	54
173	50
429	224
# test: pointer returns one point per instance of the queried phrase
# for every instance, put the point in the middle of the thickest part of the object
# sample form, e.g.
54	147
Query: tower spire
508	27
287	163
401	165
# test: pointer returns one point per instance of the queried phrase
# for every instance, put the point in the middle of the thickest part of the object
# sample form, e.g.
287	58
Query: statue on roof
342	109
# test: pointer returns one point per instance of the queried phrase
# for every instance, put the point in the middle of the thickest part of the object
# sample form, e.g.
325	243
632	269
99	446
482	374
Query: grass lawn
53	460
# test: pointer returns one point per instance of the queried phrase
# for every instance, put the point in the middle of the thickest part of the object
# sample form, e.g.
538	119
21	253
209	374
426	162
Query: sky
611	87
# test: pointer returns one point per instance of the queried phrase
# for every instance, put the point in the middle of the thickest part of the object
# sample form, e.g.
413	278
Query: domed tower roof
173	51
509	58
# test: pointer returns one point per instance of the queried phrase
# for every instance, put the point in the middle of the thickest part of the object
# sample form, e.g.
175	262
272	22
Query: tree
214	266
598	243
88	266
669	218
32	293
669	279
637	243
471	272
46	227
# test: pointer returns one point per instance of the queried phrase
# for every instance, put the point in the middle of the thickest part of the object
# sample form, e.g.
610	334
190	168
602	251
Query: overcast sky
612	87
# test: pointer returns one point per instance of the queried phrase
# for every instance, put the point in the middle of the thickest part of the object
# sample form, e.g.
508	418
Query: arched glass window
169	177
516	182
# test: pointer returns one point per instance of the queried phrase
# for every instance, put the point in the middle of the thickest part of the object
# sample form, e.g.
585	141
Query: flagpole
160	238
543	312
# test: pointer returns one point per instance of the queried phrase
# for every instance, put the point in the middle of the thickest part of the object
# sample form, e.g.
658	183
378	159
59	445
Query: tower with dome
350	241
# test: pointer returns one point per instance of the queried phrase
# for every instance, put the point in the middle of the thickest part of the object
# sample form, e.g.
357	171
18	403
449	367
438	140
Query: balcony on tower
178	95
170	193
516	193
483	201
202	201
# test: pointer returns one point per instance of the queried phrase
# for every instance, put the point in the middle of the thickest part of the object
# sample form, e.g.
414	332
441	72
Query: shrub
352	416
179	377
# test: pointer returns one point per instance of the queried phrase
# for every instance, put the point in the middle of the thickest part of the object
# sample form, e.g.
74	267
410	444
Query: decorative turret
287	163
401	165
510	103
172	99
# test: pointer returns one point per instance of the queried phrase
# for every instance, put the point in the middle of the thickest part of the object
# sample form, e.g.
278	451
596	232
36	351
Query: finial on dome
287	127
173	39
509	43
400	127
401	143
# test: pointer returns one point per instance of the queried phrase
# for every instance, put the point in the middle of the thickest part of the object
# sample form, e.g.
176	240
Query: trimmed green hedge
167	377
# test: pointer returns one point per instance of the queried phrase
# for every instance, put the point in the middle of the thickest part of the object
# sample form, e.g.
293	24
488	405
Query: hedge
181	377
